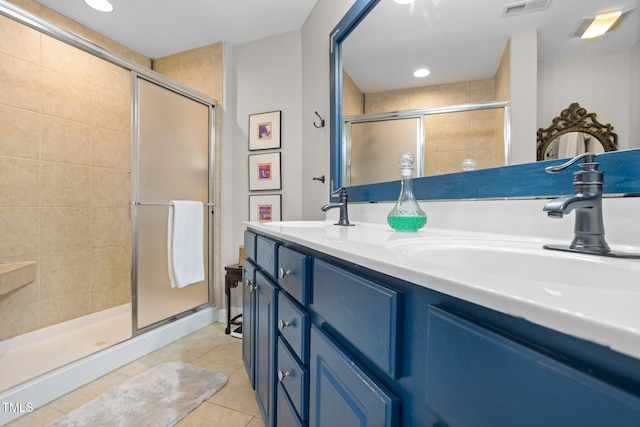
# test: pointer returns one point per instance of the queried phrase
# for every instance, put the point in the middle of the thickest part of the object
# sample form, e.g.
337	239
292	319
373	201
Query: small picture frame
265	208
264	172
264	131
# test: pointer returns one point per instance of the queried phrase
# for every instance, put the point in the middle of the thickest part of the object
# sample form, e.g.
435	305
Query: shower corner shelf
15	275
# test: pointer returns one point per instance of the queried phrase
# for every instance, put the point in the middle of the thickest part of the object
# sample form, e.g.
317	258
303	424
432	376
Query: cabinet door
342	393
476	377
265	350
248	316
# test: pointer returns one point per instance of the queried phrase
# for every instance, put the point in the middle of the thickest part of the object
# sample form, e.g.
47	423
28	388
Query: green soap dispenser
406	215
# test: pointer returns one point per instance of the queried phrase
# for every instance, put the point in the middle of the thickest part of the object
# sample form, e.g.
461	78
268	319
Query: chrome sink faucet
342	204
586	201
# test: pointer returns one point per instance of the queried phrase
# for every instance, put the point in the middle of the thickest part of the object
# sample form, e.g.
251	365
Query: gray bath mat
161	396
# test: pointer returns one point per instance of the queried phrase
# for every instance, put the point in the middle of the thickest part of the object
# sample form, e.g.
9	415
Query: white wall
524	56
315	97
260	76
598	83
287	72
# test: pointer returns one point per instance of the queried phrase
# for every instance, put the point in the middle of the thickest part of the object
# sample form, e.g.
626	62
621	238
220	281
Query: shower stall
93	148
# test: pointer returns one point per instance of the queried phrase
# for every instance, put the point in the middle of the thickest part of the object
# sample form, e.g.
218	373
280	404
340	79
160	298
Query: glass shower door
173	164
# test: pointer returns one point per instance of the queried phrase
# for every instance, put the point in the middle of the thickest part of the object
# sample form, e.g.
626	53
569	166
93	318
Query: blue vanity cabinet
248	319
276	343
369	349
265	335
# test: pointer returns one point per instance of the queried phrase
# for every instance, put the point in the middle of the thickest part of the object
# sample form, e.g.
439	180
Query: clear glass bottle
406	215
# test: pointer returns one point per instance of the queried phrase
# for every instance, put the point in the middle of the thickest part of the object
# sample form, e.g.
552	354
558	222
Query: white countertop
599	300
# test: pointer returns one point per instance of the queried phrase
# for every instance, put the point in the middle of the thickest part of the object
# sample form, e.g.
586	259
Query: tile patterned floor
209	347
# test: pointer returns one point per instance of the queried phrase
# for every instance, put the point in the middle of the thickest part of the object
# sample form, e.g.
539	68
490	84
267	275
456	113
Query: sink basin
297	224
524	261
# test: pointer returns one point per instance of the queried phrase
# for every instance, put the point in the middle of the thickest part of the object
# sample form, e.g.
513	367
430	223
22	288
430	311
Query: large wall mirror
524	54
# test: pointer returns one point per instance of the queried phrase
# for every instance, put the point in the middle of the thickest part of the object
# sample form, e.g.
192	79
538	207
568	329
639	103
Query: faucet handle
588	158
343	194
338	190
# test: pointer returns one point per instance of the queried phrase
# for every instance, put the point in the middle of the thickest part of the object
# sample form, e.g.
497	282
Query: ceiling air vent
525	7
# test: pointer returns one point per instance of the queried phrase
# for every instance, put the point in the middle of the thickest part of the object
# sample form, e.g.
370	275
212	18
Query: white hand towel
571	145
185	242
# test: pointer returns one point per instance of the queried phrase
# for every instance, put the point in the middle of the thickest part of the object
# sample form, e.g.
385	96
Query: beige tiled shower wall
64	179
199	69
452	137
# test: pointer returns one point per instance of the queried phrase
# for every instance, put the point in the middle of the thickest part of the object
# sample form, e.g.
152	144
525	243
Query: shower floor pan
35	353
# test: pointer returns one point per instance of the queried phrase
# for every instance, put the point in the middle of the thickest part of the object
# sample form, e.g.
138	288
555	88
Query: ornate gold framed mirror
573	132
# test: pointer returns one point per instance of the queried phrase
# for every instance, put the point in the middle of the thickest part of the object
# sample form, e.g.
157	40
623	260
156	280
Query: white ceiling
463	40
458	40
158	28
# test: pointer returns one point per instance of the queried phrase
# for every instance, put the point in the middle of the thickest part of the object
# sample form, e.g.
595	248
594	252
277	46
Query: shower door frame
135	176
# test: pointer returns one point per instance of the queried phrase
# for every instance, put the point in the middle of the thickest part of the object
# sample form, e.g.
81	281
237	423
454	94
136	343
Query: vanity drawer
294	378
364	313
286	413
501	382
293	324
266	253
343	393
293	273
250	245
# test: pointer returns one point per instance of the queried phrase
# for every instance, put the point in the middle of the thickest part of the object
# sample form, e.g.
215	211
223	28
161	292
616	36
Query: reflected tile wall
449	138
64	178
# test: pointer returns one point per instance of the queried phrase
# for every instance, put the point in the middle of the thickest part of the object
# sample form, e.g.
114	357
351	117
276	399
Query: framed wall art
264	131
264	172
265	208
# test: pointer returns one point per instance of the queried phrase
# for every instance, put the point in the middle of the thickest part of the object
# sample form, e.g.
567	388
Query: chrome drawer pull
282	375
282	273
283	324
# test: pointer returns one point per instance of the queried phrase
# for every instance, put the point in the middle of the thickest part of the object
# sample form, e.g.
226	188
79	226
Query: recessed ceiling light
101	5
421	72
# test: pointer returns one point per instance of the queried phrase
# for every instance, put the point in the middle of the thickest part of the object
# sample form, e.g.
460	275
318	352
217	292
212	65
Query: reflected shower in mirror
480	52
573	132
443	140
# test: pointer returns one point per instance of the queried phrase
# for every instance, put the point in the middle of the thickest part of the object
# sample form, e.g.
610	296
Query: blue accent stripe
621	176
